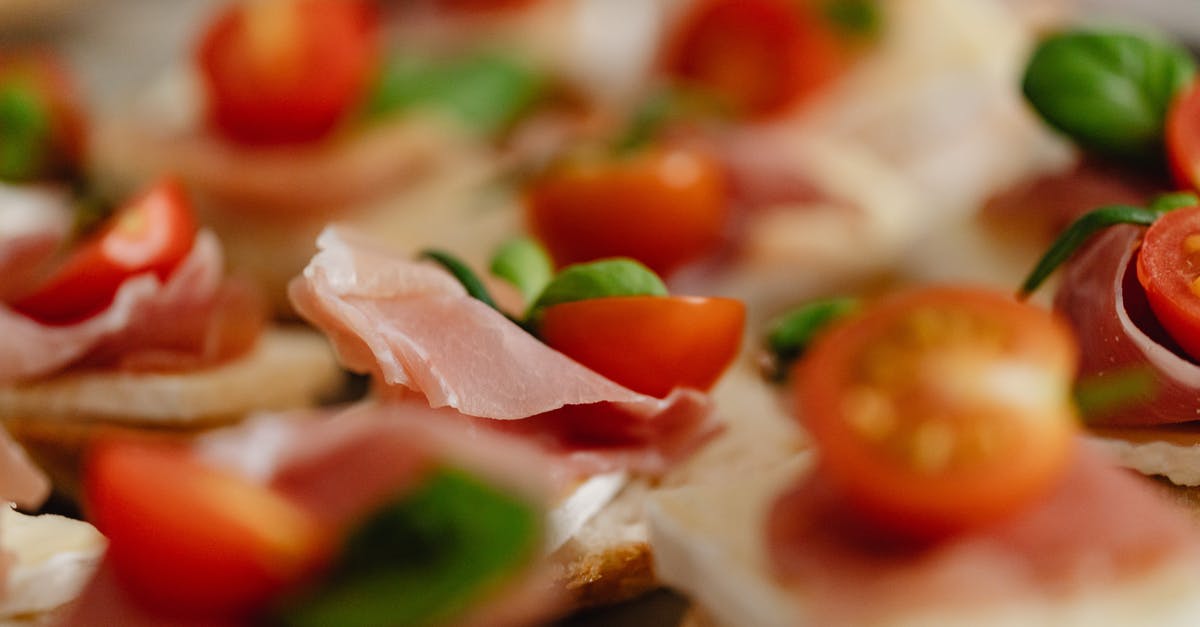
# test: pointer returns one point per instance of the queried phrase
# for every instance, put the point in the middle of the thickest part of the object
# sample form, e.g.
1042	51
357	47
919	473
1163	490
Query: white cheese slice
52	558
580	506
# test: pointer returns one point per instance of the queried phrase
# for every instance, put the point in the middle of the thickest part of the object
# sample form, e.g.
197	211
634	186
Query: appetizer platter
574	312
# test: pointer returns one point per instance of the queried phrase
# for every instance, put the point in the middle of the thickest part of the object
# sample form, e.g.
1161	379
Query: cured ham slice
1101	527
145	315
34	223
1118	333
20	481
415	328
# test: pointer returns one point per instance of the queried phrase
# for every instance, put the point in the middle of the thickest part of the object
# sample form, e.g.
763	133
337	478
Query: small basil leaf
1079	233
793	332
425	558
1109	91
661	109
461	271
854	18
487	92
599	279
524	263
25	133
1100	395
1173	201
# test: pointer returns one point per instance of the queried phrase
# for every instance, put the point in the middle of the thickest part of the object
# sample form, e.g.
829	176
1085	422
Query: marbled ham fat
1101	527
415	328
1118	333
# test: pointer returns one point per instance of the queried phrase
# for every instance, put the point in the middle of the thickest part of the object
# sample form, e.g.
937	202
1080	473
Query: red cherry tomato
650	344
1183	138
941	409
758	56
194	540
484	6
152	233
287	71
1168	267
42	77
664	207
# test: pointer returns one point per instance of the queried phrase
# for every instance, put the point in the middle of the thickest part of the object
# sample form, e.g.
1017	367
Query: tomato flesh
193	540
1168	268
1183	138
152	233
287	71
757	56
941	409
650	344
665	208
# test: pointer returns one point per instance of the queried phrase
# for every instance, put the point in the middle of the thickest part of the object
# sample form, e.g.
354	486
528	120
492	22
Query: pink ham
415	328
34	223
1118	333
1100	528
340	466
146	315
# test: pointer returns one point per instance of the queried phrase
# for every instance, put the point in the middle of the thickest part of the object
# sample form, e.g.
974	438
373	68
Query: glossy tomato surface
287	71
650	344
759	57
193	540
1183	138
940	409
1168	267
664	207
152	233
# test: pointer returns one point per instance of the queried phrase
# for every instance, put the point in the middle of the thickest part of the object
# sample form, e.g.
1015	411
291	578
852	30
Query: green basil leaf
425	558
854	18
1109	91
526	264
461	271
1173	201
25	133
598	279
793	332
487	92
1099	395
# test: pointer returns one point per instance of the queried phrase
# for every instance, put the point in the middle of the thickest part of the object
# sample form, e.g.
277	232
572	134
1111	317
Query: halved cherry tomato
757	56
152	233
664	207
47	139
287	71
1183	138
192	539
650	344
1168	267
941	409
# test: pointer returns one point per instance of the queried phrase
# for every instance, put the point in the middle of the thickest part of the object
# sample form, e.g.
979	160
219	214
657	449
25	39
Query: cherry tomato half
758	56
650	344
940	409
195	540
1168	267
664	207
41	118
287	71
1183	138
151	233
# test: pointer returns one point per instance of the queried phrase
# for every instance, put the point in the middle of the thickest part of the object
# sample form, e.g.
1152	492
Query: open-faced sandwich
135	324
376	515
599	367
948	485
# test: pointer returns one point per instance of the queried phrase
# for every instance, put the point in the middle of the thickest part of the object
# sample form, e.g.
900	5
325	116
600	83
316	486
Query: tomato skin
665	208
193	540
153	233
906	427
1165	271
649	344
287	71
48	76
758	56
1183	138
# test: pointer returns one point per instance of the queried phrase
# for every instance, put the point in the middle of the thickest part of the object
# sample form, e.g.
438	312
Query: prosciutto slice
34	223
1118	333
146	314
1100	528
415	328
